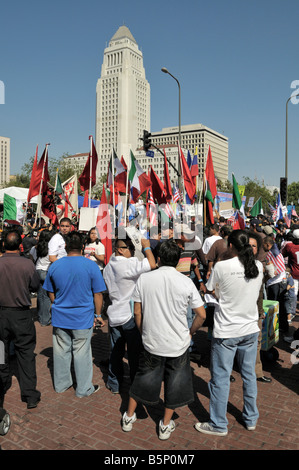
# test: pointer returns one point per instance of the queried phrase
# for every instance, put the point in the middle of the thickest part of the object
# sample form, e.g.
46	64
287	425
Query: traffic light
146	140
284	190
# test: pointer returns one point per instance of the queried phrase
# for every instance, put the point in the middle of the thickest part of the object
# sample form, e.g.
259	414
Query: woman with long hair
42	265
94	249
235	281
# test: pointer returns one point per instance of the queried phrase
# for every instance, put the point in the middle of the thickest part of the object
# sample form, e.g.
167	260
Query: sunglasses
130	247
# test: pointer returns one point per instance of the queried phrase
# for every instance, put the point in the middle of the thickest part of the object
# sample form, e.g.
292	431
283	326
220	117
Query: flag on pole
104	227
157	187
138	179
237	204
237	201
13	209
116	172
152	210
48	204
279	214
257	208
273	211
210	185
176	195
87	178
194	169
35	179
59	190
167	183
188	183
70	188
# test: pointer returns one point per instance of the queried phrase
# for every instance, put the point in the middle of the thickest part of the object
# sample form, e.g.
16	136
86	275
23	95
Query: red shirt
292	252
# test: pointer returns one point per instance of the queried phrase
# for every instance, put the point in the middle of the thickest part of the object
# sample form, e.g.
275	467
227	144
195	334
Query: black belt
14	308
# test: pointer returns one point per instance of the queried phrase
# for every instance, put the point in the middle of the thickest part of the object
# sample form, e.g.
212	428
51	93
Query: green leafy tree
293	195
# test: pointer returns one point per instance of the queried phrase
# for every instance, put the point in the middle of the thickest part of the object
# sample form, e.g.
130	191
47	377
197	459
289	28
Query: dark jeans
275	292
18	326
120	337
174	371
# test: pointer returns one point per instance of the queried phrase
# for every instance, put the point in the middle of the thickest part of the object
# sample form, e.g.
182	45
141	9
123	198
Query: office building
198	137
4	160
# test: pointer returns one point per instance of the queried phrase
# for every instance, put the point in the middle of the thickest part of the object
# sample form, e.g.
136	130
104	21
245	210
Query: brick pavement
64	422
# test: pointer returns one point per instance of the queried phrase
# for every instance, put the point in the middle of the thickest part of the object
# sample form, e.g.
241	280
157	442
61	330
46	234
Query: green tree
293	195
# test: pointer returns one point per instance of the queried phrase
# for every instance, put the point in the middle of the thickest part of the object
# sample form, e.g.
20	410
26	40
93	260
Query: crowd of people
154	298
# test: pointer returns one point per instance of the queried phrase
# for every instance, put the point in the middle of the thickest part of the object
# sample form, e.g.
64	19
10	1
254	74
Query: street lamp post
164	69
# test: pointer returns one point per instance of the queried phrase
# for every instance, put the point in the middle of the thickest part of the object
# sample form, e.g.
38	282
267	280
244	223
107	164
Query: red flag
123	162
39	174
210	185
88	174
167	184
157	189
48	204
85	202
189	186
104	227
34	182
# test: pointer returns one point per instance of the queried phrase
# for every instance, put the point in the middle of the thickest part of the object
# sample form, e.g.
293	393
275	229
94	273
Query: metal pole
164	69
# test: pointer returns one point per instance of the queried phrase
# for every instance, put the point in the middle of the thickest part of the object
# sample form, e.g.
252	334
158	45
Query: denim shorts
174	371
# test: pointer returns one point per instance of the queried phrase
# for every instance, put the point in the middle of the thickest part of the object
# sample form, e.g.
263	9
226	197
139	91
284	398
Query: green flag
58	188
257	208
12	208
237	201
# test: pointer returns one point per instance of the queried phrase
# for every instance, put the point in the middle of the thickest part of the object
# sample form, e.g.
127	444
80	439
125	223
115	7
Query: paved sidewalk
64	422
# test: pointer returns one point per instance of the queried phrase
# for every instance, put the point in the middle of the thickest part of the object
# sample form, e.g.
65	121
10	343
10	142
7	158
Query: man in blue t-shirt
75	285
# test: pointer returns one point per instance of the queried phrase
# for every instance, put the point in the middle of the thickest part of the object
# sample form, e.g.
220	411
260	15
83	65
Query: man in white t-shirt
120	276
57	243
161	301
214	235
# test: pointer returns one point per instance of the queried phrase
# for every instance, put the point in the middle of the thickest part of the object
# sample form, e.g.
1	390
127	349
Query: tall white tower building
122	99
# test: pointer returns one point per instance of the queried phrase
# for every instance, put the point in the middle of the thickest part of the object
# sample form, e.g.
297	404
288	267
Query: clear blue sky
235	61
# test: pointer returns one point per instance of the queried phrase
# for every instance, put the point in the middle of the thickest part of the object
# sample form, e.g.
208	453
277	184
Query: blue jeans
223	352
120	336
43	301
76	344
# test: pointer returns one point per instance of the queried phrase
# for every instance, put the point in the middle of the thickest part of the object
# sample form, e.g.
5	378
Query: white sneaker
207	428
4	424
127	422
251	428
165	431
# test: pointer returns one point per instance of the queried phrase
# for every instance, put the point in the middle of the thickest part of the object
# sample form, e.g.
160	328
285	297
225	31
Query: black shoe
264	379
32	403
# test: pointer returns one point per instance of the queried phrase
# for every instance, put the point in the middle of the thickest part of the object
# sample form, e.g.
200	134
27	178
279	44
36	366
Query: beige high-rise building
122	99
201	137
4	160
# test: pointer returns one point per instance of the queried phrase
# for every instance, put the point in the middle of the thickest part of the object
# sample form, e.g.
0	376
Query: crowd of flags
131	180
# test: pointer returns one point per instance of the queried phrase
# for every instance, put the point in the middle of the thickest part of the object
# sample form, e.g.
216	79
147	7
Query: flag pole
127	186
113	188
41	185
90	172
